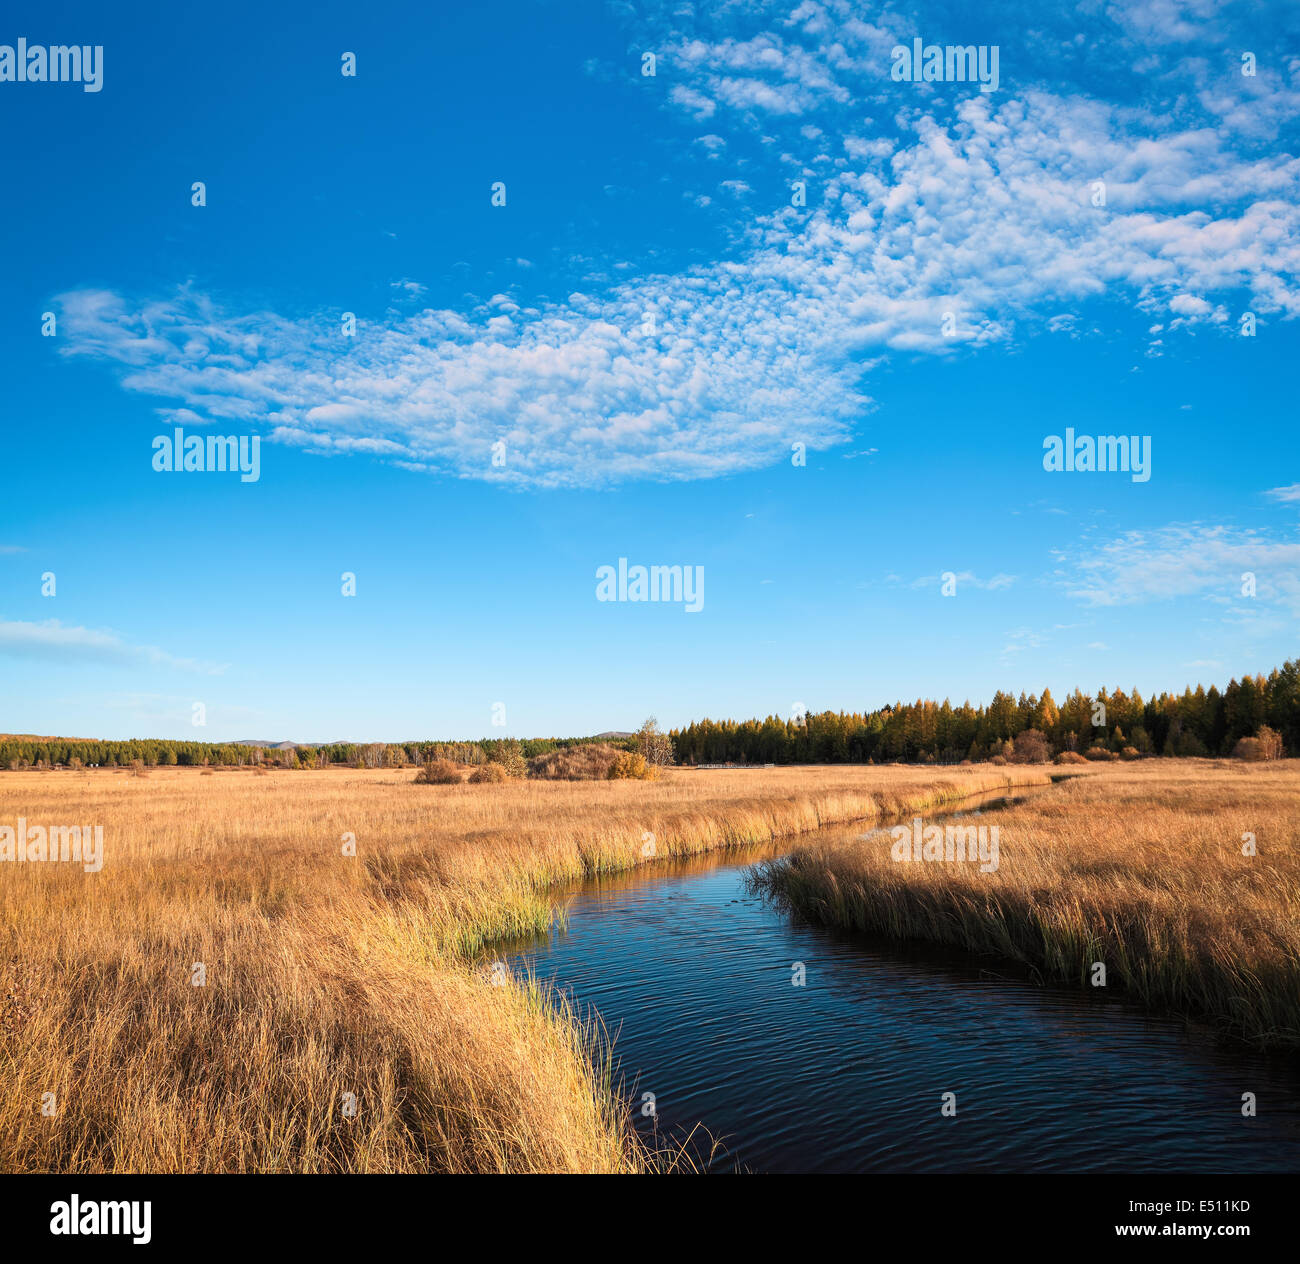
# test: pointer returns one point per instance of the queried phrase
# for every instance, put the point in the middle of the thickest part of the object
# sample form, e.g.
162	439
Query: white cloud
1189	560
1168	21
966	579
976	211
53	640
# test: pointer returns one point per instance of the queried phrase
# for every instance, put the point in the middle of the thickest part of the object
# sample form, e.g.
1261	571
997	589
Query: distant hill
33	737
610	735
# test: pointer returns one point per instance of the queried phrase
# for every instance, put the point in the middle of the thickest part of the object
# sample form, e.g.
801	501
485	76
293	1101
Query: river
693	974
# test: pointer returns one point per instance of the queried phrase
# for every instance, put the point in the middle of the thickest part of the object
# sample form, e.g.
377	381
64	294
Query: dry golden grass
1139	866
328	974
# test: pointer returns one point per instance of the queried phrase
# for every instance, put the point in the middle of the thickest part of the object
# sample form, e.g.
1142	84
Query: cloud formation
51	639
936	220
1190	560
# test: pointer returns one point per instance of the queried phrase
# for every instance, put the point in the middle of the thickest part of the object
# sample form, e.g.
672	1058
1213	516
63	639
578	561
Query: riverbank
233	991
1138	866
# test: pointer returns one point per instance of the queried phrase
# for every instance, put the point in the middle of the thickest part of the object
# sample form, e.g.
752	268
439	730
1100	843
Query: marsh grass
329	974
1139	866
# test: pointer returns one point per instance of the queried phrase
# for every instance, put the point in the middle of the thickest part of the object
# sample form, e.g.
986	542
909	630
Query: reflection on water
692	973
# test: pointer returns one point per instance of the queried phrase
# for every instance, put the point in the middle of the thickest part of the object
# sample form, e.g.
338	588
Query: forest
24	751
1197	722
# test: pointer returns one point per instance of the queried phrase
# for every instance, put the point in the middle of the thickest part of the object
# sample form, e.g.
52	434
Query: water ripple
845	1074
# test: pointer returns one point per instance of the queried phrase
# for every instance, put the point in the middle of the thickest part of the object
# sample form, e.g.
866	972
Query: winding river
692	973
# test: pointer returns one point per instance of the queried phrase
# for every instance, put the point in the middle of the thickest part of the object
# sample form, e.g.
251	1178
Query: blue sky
524	324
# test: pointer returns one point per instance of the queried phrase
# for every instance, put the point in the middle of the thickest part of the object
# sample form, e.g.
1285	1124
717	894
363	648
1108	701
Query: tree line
49	752
1196	722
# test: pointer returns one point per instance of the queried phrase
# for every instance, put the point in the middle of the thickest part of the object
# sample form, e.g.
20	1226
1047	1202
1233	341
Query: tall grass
1137	866
329	974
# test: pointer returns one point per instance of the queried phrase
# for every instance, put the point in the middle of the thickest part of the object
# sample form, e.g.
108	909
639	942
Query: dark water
692	974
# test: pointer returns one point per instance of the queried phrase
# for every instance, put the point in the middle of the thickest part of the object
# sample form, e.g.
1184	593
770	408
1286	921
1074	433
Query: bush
1100	753
1130	752
1031	748
589	762
629	764
492	772
438	772
1070	757
1000	760
1250	749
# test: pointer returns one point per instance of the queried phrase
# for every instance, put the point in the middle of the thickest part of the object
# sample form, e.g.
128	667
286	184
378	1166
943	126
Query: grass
329	974
1139	866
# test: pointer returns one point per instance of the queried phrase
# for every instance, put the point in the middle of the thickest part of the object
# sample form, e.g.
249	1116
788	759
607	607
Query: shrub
1000	760
1031	748
1130	752
492	772
1100	753
588	762
438	772
630	764
1250	749
1070	757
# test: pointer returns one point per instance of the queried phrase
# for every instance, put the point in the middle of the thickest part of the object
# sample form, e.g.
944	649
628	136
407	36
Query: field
1138	866
328	979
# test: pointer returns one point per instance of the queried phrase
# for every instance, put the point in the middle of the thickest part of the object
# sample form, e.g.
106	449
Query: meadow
234	991
1140	866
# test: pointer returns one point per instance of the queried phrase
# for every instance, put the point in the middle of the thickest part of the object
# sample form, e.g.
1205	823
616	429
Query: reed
326	974
1139	866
